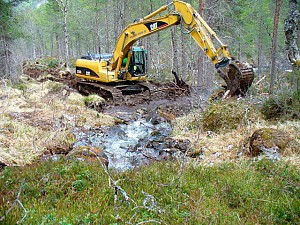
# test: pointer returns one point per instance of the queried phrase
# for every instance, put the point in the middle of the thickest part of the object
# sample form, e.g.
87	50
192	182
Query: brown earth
171	98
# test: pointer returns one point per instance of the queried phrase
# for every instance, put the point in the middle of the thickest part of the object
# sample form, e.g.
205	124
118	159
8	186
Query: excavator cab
137	66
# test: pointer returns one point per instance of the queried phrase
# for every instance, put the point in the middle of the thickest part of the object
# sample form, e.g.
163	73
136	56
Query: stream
130	145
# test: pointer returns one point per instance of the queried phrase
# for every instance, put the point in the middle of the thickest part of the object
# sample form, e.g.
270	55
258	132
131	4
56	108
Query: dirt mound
42	73
158	91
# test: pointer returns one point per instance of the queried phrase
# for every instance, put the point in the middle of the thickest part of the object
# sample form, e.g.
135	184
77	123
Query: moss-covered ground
72	192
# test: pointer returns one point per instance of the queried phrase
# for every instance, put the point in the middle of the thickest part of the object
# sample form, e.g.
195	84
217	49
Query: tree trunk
175	50
66	37
58	55
260	49
292	34
64	5
116	20
183	66
98	28
274	45
106	28
291	30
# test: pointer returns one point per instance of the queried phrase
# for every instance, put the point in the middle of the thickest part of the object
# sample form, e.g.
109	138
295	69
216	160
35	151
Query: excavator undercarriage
117	93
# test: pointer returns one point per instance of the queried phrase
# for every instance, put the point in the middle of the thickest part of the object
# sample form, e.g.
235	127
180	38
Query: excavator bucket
238	77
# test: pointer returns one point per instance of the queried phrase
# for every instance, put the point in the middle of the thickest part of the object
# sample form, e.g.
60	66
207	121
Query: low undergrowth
282	107
72	192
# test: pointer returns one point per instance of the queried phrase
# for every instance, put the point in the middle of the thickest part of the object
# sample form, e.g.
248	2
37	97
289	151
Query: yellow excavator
123	72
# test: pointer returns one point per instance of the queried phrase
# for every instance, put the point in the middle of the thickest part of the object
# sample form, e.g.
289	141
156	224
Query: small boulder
272	142
94	101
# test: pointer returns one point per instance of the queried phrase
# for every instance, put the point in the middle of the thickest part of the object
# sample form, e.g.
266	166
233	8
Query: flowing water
129	145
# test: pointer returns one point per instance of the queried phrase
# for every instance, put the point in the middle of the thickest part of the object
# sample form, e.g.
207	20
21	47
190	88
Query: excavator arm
127	63
238	76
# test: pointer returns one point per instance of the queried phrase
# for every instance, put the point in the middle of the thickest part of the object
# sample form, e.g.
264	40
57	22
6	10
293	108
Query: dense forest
65	30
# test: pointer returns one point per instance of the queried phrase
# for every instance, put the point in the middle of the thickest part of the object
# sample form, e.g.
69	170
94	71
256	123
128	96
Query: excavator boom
238	76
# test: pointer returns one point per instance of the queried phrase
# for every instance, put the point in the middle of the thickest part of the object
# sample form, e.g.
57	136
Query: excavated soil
171	98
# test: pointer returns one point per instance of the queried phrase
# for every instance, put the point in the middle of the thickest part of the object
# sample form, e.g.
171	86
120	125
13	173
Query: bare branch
17	200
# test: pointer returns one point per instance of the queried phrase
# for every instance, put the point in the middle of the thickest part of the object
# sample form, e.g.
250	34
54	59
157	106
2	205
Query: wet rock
173	145
153	118
115	131
53	158
271	142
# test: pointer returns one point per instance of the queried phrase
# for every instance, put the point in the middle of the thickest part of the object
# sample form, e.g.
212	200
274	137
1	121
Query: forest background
66	30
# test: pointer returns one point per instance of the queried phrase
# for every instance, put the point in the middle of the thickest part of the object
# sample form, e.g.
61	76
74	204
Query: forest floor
40	114
198	176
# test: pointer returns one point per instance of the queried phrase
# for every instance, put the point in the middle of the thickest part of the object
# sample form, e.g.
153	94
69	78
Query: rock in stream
134	144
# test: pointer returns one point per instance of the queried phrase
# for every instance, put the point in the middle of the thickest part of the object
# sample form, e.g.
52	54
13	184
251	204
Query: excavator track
116	94
238	77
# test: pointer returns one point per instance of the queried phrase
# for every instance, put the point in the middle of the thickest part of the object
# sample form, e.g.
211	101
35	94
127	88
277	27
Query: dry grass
37	116
213	148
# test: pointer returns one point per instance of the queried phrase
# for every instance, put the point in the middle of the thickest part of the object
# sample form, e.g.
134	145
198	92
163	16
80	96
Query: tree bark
259	49
58	52
64	8
291	30
274	45
183	66
99	50
106	28
175	50
292	34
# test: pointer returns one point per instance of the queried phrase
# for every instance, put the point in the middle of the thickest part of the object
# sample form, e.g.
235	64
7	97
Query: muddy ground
173	99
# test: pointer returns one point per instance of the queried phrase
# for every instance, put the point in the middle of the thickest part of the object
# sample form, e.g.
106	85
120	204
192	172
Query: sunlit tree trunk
292	34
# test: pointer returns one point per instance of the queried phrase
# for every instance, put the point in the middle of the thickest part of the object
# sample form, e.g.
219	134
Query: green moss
93	100
281	107
228	115
269	138
73	192
53	63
